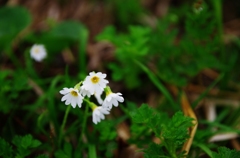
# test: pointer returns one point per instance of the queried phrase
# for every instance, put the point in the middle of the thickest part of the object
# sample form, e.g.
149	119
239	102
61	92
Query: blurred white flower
98	114
72	96
112	99
95	83
38	52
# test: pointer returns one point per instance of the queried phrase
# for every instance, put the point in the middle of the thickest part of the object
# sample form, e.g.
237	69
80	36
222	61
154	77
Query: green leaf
67	30
224	152
142	114
129	46
13	20
61	36
154	151
176	130
107	130
107	34
17	141
6	150
66	152
25	142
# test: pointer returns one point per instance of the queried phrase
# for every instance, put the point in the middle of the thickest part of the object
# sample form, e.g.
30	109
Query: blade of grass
156	82
194	104
204	148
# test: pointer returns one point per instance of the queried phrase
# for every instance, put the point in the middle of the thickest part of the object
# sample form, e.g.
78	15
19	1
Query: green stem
84	122
63	124
92	151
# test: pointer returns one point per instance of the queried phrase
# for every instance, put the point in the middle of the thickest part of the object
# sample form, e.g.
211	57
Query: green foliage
127	12
42	156
13	21
107	136
172	132
175	132
6	150
153	151
174	62
24	145
129	47
66	152
173	50
224	152
25	142
14	83
106	131
143	114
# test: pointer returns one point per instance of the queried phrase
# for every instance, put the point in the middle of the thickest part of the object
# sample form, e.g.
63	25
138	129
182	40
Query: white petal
73	102
65	97
115	103
65	91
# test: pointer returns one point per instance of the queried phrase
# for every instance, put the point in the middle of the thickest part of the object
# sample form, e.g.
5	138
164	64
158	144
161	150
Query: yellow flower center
74	93
95	79
36	51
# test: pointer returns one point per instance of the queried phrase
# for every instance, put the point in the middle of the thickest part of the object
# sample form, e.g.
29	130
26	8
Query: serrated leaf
35	143
153	151
6	150
142	114
224	152
107	131
26	141
17	141
176	130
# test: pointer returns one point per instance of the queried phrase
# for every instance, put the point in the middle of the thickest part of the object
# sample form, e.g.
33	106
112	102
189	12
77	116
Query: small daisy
38	52
112	99
95	83
72	96
98	114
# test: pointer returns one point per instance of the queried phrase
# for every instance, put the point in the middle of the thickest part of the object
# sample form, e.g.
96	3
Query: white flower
85	92
112	99
98	114
95	83
38	52
98	97
72	96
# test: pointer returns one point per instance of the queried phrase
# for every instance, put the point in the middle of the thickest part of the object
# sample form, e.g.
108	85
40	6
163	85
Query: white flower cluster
94	84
